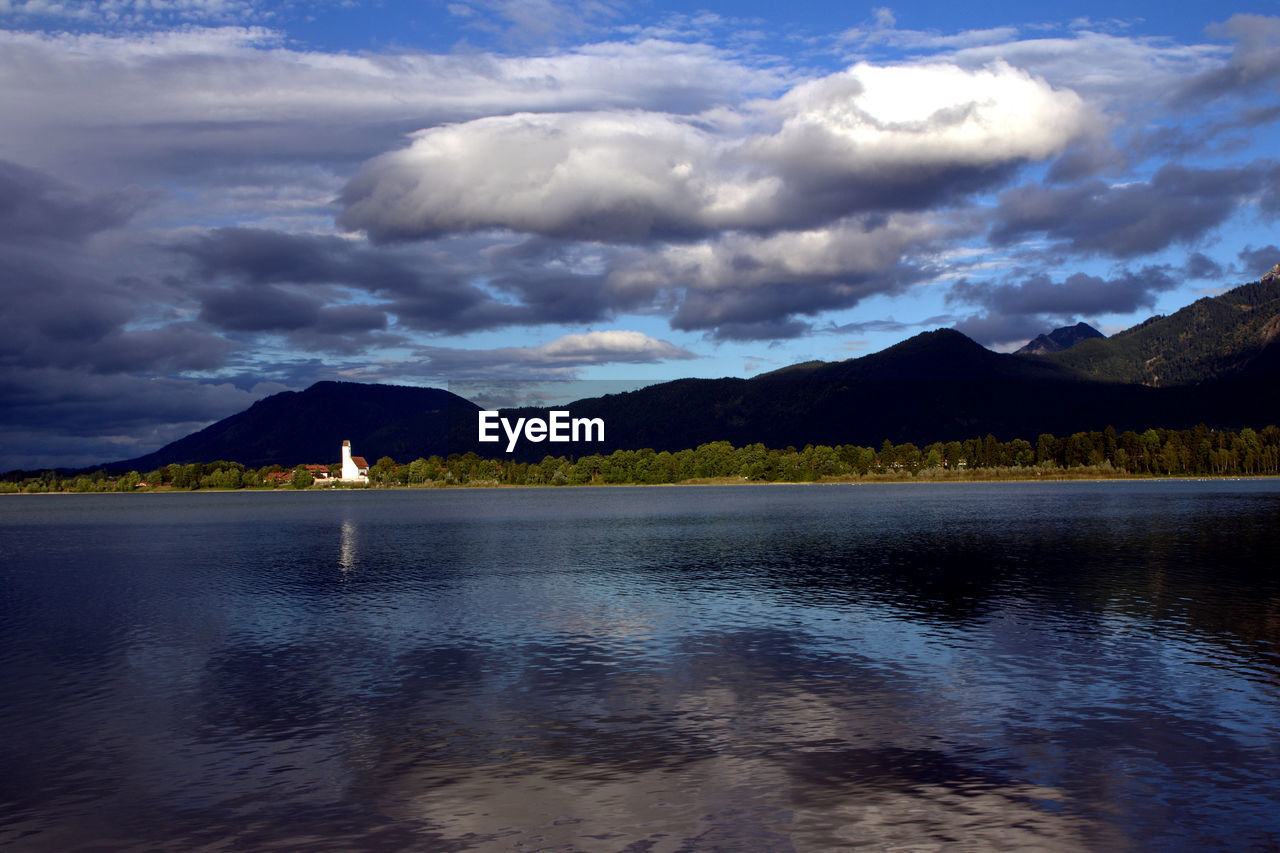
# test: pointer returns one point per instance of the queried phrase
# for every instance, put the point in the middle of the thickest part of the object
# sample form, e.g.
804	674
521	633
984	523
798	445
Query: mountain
936	386
296	427
1060	339
1215	337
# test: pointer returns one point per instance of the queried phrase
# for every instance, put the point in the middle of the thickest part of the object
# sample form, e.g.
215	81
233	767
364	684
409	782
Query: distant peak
1060	339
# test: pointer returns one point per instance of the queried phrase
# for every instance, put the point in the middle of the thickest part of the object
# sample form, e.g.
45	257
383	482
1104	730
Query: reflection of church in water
347	546
354	468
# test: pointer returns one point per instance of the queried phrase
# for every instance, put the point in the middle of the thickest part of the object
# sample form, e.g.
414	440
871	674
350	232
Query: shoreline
693	483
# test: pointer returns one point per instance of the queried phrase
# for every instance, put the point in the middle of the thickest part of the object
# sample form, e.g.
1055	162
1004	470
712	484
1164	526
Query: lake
1060	666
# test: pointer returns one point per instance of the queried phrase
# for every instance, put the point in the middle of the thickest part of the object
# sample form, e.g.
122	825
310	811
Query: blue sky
208	201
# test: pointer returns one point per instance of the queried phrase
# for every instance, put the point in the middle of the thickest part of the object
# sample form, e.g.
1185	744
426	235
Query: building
354	468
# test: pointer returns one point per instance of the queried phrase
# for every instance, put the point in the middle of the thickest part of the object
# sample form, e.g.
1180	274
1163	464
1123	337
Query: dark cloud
1078	295
1084	160
1178	205
1255	262
1200	266
53	416
767	310
1254	64
265	256
63	309
996	329
772	329
266	308
277	283
37	206
350	319
59	313
763	312
1037	304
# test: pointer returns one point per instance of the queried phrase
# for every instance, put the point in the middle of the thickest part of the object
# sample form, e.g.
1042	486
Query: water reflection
347	548
656	669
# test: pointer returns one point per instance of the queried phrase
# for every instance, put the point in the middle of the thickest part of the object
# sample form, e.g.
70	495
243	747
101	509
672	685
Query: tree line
1107	453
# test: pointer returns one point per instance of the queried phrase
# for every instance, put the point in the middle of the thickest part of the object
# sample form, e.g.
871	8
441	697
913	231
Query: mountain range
1214	362
1211	338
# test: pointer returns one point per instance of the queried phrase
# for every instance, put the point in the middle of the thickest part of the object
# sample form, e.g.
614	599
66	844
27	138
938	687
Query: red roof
359	460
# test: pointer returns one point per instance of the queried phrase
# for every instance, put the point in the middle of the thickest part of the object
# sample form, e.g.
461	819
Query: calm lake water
1007	666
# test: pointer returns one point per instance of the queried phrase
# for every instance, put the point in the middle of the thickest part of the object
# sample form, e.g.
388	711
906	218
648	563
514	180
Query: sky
203	202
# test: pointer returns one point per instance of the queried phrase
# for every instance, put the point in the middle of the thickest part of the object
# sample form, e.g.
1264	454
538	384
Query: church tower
351	465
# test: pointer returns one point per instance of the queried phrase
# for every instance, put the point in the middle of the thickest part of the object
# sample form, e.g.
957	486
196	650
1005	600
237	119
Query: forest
1198	452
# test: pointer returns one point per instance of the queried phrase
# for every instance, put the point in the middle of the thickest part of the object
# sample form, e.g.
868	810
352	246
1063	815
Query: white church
354	468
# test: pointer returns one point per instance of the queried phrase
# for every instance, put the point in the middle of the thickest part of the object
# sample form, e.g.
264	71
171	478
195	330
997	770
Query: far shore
1059	477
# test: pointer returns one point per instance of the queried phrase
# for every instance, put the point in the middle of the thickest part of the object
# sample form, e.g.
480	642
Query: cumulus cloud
745	286
738	286
870	138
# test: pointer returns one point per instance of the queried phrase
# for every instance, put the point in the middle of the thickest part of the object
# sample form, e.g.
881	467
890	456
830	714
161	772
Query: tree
952	453
302	478
383	471
1046	449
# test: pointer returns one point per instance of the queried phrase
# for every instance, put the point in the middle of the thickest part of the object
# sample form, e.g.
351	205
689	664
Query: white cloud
614	345
870	138
558	358
927	115
191	99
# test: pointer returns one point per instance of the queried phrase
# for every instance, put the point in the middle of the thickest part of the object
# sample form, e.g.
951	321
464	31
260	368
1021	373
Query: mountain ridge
935	386
1212	338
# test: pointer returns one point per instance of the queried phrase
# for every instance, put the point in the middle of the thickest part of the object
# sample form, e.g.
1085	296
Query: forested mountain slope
1212	338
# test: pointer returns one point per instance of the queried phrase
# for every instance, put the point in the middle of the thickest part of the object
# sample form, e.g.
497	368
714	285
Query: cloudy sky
203	202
